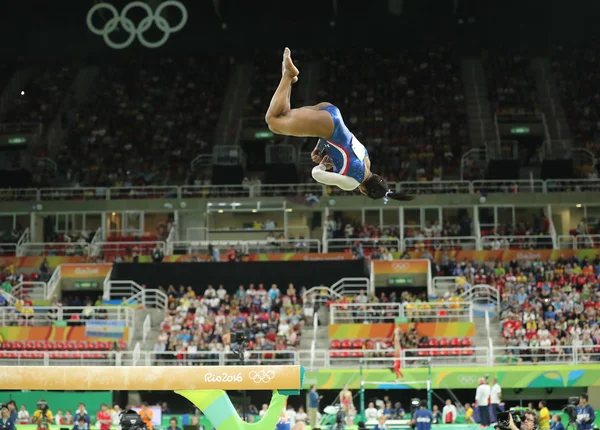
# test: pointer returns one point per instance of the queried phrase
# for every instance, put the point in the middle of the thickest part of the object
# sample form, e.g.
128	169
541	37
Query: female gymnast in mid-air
341	159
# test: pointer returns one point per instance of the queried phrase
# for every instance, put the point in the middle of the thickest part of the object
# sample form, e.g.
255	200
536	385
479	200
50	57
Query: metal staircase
481	122
549	100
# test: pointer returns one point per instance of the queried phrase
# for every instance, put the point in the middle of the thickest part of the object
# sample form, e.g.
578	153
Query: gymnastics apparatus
204	386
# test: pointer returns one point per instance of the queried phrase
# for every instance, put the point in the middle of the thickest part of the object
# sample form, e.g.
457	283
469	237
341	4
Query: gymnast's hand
326	161
316	156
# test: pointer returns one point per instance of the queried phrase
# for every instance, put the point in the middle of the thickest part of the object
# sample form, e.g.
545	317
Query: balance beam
167	378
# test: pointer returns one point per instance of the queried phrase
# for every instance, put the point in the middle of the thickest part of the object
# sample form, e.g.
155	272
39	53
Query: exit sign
400	280
519	130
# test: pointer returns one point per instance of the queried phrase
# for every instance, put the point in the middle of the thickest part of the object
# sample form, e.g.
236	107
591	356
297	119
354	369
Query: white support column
401	229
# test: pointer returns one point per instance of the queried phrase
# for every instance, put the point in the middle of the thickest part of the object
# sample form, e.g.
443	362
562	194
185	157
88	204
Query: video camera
503	418
131	420
42	405
571	408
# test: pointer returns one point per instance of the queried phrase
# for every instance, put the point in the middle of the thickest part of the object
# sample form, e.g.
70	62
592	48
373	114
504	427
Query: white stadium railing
335	358
370	313
291	190
72	315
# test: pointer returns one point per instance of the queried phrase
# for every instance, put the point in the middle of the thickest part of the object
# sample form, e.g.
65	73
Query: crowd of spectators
198	326
407	108
576	72
144	120
41	98
511	86
549	309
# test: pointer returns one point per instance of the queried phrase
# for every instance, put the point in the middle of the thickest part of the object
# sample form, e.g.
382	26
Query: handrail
441	243
146	327
134	293
281	190
53	283
136	354
246	246
313	344
344	313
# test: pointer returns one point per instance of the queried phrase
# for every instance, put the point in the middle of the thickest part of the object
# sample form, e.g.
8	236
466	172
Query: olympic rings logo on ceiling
136	30
261	376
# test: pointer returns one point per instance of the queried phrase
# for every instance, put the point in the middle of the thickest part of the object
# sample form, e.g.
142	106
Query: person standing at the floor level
482	397
313	405
496	398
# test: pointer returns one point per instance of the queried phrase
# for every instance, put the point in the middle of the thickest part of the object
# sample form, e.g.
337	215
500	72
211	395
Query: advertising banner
400	273
522	376
507	255
105	329
384	331
84	271
153	378
54	333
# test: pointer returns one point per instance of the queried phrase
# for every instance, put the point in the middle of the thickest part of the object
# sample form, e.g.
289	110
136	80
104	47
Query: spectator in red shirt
231	254
104	420
27	301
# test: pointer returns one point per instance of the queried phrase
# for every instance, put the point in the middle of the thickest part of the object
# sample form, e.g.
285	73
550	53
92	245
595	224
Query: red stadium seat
346	344
444	343
433	343
466	341
8	344
358	344
455	342
59	345
335	344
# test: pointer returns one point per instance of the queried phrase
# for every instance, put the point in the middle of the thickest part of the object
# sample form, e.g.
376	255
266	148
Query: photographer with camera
525	420
42	416
6	421
585	414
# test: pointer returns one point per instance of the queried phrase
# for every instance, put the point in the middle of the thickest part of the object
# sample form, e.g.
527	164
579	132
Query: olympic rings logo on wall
136	30
261	376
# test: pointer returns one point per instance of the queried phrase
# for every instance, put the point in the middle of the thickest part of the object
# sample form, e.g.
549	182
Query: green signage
400	280
86	285
17	140
519	130
263	135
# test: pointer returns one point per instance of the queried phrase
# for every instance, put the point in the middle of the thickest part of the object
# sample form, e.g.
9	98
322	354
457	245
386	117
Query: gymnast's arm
321	175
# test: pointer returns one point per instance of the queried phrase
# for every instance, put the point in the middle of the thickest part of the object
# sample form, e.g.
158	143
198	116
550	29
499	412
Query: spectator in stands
58	418
68	418
437	415
103	418
146	414
173	424
23	416
556	423
81	424
381	425
371	412
157	254
469	414
6	421
81	413
449	413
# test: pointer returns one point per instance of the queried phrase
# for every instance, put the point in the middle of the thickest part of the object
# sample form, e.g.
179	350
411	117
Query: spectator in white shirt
301	416
482	398
496	398
263	411
210	292
23	416
221	292
449	413
371	413
361	298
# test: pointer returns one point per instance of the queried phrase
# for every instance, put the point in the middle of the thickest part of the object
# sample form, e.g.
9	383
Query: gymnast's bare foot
288	69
